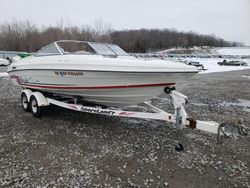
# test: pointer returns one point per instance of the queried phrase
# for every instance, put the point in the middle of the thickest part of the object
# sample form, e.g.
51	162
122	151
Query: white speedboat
98	73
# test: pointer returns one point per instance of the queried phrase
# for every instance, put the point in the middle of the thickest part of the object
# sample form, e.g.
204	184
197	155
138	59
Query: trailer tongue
36	101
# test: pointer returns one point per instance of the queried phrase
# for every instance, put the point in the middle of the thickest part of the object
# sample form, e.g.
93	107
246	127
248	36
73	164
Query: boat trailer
35	102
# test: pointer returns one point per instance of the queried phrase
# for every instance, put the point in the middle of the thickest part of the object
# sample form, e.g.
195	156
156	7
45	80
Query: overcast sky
229	19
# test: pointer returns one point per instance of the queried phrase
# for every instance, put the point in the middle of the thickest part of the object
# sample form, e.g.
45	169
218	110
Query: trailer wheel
25	102
35	109
168	90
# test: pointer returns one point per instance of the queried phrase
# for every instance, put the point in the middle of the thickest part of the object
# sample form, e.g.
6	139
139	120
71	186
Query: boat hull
109	88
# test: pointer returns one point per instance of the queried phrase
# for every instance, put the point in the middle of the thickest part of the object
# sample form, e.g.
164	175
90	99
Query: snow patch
244	76
211	65
4	74
242	103
233	51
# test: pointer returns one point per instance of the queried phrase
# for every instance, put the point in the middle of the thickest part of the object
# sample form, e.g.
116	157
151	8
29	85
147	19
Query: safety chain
240	130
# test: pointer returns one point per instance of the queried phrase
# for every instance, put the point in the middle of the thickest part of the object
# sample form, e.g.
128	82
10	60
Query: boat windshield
81	48
48	50
117	50
102	49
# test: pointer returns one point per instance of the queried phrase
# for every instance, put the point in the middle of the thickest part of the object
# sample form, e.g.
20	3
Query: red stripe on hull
92	87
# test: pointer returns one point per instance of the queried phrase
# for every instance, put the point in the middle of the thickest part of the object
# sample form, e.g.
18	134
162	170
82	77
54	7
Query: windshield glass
102	49
117	49
48	50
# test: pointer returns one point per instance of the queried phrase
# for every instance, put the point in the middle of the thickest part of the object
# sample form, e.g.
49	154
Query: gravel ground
71	149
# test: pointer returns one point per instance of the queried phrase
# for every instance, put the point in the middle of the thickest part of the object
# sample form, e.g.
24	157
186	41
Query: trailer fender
41	99
28	93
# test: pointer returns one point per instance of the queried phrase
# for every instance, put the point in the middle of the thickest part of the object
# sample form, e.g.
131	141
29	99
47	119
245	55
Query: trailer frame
37	100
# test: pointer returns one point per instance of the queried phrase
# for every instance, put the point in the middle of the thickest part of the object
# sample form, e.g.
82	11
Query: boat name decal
68	73
97	111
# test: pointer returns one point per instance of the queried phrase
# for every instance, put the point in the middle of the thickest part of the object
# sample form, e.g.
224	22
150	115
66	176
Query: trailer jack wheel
35	109
179	147
25	102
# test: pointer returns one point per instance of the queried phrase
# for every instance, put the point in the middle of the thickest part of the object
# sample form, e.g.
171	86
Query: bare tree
102	30
26	36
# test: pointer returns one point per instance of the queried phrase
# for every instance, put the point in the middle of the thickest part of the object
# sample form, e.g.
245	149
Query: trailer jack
223	130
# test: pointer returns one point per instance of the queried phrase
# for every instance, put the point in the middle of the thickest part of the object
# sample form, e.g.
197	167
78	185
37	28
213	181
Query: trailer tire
168	90
35	109
25	102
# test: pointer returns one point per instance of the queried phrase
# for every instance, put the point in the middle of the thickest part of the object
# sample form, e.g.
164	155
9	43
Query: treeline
26	36
145	40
